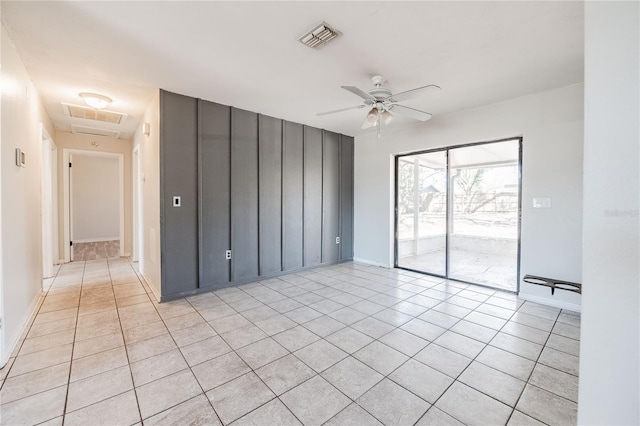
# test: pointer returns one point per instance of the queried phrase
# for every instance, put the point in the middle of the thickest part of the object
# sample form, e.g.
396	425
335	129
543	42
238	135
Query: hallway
343	344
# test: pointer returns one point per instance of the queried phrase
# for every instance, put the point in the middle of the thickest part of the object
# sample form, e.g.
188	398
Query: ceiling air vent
77	111
94	131
319	36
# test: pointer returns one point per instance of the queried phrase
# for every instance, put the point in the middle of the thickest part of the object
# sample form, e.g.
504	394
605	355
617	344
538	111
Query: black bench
553	283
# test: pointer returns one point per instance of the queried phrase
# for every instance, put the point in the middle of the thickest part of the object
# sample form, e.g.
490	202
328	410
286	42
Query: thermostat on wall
20	158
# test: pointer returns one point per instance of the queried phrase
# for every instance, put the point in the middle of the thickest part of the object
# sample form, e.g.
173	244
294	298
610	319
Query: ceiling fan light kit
382	101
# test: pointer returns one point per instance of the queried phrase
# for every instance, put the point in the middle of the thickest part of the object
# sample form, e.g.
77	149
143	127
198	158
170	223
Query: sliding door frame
447	215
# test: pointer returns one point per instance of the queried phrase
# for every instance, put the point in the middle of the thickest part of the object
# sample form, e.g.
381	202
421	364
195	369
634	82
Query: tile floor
96	250
338	345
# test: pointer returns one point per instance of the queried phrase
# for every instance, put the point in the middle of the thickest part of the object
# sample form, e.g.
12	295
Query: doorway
458	213
93	205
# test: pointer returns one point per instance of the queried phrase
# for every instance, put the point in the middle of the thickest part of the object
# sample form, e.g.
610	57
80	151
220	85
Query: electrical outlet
337	240
227	254
542	203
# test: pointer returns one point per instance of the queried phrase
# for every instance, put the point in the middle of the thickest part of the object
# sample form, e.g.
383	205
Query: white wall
551	124
96	198
22	113
149	152
610	327
66	140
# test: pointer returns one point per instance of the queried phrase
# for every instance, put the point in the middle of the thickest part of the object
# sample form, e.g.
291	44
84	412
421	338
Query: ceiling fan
382	102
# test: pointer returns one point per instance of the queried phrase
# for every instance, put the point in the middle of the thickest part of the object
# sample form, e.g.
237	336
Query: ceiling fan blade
399	97
340	110
364	95
410	112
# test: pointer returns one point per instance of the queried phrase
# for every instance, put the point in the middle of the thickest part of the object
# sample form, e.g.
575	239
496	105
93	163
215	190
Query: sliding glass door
457	213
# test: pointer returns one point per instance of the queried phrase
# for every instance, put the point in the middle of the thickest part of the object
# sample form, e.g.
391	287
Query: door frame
48	199
448	179
67	197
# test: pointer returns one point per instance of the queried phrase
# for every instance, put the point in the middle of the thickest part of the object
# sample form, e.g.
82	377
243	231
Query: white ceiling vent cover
94	131
319	35
77	111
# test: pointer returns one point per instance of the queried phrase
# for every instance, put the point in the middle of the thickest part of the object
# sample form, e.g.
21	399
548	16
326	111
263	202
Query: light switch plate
177	201
542	203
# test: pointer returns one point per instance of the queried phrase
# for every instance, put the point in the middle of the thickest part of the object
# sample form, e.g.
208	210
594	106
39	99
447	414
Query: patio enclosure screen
458	213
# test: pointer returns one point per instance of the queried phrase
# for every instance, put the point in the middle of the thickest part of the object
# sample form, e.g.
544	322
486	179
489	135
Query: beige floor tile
150	347
143	332
352	377
21	412
423	329
183	321
51	327
320	355
262	352
243	336
405	342
496	384
556	381
353	415
118	410
461	344
157	367
436	417
225	399
28	384
560	360
471	407
193	334
195	411
314	401
506	362
220	370
98	388
519	419
284	374
392	404
296	338
204	350
271	413
36	344
38	360
167	392
97	344
517	346
380	357
426	382
547	407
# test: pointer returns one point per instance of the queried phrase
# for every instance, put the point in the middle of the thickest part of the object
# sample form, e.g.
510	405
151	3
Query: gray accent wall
275	193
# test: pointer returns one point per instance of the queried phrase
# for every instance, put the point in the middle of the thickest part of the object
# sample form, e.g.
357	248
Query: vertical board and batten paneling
270	201
214	189
330	196
292	196
244	194
346	197
312	196
179	177
276	193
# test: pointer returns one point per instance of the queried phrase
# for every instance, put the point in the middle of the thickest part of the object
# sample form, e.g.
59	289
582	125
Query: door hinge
71	243
0	323
70	164
227	255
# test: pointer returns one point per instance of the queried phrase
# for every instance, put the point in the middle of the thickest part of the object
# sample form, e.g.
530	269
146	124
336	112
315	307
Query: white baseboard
26	319
550	302
369	262
96	240
153	290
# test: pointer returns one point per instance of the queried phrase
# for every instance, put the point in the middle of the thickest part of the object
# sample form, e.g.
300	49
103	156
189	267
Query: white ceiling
246	54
